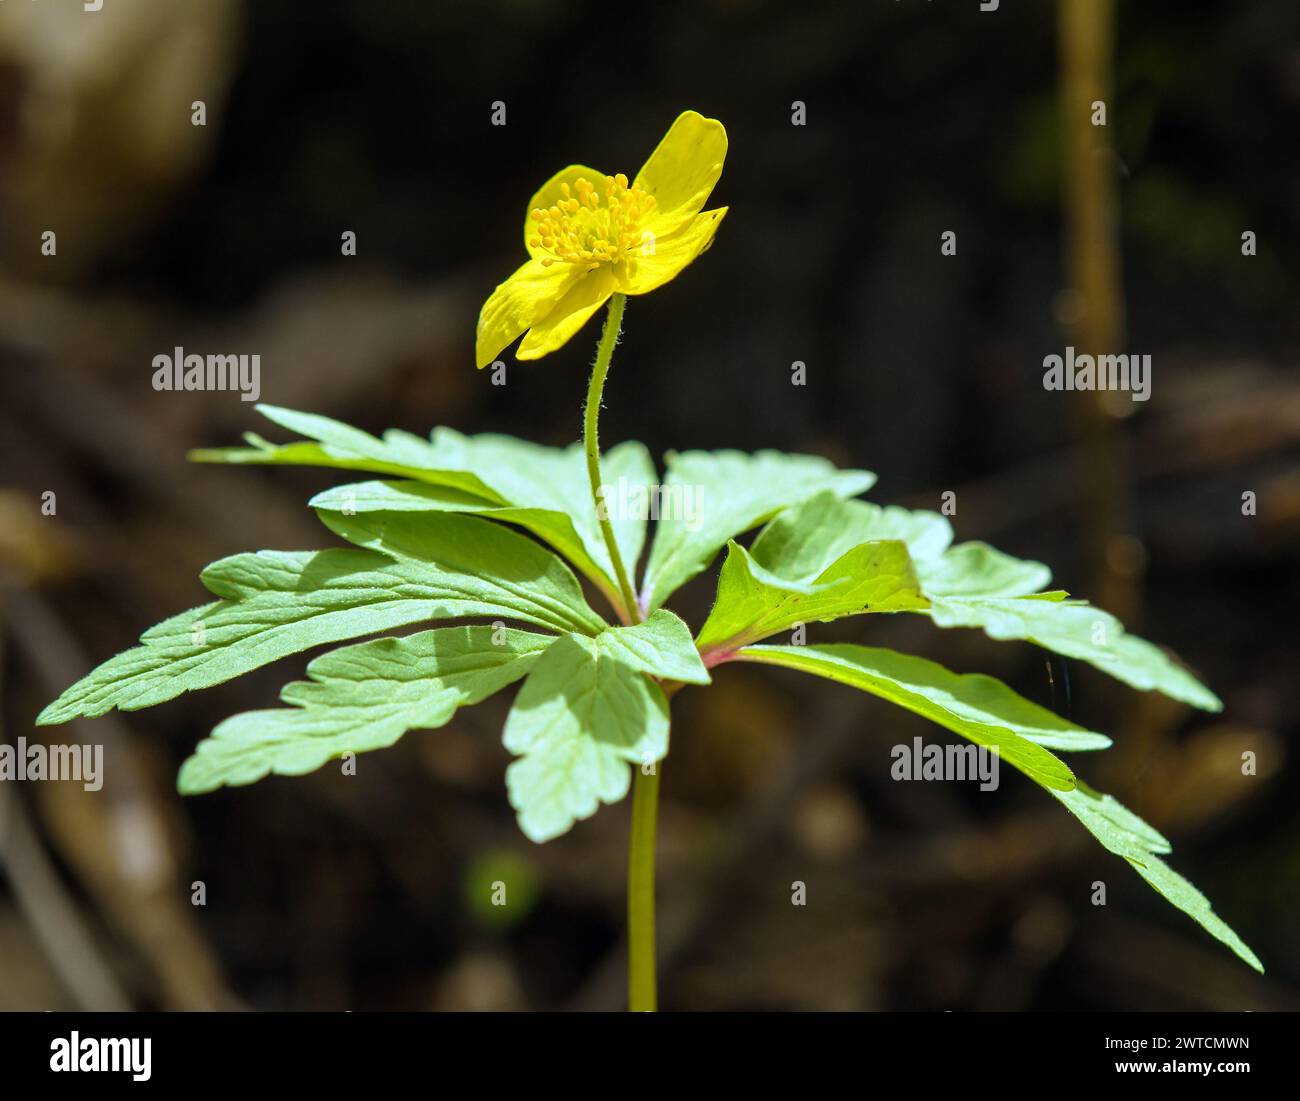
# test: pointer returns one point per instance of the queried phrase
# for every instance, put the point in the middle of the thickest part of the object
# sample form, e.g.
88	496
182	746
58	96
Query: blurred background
370	892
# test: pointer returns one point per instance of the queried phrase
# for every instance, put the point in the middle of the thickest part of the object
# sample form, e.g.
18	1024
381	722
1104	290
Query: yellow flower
590	235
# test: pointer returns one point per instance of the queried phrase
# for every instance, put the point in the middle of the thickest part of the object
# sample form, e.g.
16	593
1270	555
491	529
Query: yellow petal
528	295
550	193
585	297
681	172
661	258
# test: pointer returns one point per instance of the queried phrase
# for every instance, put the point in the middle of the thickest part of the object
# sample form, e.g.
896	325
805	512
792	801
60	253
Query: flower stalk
630	611
642	994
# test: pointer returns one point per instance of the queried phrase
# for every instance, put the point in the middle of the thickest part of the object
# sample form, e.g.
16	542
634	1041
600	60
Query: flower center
592	224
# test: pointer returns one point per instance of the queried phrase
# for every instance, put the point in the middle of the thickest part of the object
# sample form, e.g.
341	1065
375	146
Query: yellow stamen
590	226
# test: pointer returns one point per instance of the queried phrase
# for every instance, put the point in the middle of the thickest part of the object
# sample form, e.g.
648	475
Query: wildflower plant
497	532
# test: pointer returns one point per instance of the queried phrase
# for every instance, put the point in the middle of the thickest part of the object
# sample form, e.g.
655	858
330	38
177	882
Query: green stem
595	388
641	984
642	993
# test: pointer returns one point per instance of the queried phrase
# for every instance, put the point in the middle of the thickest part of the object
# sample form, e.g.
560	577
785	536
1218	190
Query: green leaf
555	528
973	585
575	534
990	713
802	541
661	646
977	707
482	560
753	603
341	446
709	497
1125	834
586	712
530	476
1077	630
976	569
544	489
277	603
361	698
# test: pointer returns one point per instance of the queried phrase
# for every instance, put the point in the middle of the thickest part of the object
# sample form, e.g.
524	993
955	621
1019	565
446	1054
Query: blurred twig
1216	424
50	909
1094	304
115	839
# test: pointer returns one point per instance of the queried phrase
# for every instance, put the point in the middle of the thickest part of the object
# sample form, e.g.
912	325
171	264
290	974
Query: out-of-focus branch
51	911
1092	306
116	841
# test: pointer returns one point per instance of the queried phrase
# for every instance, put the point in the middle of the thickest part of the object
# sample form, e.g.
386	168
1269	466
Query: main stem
642	996
641	982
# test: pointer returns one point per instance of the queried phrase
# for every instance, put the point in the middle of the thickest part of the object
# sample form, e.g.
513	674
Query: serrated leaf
753	603
262	452
1122	832
421	497
361	698
277	603
661	646
971	585
712	496
544	489
802	541
528	475
482	559
977	707
570	526
1077	630
340	446
976	585
976	569
583	716
980	707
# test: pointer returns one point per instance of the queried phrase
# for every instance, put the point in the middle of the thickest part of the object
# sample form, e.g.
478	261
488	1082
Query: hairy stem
642	986
595	388
642	994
